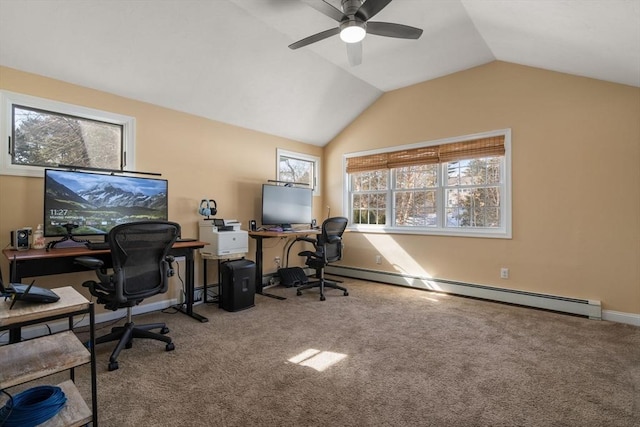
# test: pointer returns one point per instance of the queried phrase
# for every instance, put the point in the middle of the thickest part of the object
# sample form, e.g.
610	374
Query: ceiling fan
354	24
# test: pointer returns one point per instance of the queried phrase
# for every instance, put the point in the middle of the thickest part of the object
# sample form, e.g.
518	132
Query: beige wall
576	181
576	207
199	157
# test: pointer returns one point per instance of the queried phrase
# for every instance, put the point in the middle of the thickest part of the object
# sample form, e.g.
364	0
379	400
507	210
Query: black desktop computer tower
238	284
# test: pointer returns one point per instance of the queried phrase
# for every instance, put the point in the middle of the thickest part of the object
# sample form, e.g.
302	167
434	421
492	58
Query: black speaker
253	226
314	224
238	284
20	239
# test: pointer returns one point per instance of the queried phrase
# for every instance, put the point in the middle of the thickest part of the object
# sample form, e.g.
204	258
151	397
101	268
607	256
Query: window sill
482	233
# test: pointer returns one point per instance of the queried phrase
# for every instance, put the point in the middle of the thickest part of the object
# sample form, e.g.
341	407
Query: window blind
476	148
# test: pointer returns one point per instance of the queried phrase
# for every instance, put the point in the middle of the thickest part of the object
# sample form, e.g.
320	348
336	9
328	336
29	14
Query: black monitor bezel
61	231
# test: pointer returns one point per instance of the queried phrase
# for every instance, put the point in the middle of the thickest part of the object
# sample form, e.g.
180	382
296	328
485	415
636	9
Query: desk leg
15	334
259	289
187	308
258	265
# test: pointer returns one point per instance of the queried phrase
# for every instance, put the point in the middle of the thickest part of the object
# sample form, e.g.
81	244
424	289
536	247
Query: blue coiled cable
32	407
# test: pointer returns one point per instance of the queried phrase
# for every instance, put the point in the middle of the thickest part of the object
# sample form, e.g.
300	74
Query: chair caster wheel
129	345
322	298
170	347
346	294
298	293
113	366
164	330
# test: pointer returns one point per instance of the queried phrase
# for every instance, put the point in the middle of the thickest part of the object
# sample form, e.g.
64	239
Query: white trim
504	232
308	157
621	317
7	99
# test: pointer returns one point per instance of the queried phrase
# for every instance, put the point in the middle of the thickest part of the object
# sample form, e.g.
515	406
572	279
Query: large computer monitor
283	205
97	202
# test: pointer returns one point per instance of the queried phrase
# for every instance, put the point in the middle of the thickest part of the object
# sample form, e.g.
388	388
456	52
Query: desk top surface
70	301
266	233
75	251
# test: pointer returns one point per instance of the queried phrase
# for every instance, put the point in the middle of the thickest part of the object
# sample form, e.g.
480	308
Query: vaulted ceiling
228	60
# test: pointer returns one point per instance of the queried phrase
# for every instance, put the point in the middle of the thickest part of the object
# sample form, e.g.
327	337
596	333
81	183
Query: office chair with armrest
328	249
141	268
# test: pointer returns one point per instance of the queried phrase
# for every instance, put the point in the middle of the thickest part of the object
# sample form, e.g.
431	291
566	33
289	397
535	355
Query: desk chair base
125	335
322	283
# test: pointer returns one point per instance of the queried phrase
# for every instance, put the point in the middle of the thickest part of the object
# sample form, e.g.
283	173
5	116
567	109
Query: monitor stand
68	237
286	227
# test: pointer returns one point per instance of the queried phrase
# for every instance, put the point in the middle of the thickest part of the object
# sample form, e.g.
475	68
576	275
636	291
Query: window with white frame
299	168
43	133
459	186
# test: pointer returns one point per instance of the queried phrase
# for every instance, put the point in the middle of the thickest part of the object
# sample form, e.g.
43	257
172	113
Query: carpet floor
382	356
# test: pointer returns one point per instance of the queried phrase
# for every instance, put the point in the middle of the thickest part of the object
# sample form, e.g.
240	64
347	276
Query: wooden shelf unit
43	356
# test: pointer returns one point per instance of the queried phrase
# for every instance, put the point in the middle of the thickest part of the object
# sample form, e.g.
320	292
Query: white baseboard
621	317
588	308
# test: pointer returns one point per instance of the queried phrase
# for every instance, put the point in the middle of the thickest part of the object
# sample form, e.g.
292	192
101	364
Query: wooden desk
259	236
42	262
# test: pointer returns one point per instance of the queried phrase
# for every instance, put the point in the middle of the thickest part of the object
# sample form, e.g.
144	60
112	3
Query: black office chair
328	249
141	268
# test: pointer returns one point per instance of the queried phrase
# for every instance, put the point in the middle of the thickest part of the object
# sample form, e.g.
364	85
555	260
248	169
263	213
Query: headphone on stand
208	207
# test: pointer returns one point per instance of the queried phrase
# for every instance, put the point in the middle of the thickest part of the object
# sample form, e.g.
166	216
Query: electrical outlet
277	261
378	259
504	273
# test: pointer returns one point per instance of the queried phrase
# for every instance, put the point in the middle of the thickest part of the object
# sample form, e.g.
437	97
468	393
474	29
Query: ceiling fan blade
315	38
370	8
393	30
354	53
326	9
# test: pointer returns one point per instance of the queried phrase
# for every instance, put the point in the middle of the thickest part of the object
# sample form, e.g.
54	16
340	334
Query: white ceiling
228	60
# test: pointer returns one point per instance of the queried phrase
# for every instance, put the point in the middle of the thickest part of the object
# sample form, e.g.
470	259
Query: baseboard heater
588	308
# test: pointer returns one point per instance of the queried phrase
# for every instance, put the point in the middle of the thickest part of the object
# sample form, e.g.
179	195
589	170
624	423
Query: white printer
230	241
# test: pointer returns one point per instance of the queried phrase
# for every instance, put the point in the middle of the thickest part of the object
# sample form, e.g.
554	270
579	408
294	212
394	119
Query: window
43	133
300	168
460	186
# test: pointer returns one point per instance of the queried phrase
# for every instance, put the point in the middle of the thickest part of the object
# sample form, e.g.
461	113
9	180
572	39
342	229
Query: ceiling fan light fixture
352	32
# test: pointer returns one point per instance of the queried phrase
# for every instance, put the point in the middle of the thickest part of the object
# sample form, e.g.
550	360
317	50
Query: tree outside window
44	133
299	168
43	138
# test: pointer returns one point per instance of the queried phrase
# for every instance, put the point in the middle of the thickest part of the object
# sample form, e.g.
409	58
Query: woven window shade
413	157
367	163
483	147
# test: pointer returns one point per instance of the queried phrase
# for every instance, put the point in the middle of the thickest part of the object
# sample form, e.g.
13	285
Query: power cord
32	407
176	308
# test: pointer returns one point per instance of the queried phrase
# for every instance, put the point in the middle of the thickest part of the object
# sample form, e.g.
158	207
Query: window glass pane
416	208
484	171
456	217
422	176
367	181
296	170
461	173
45	138
477	207
369	208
